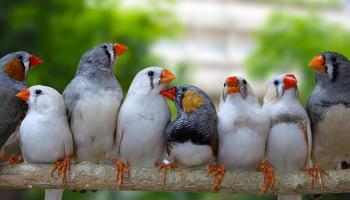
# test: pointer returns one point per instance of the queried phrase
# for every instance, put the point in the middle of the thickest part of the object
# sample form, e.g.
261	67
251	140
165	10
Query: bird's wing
71	96
306	129
12	111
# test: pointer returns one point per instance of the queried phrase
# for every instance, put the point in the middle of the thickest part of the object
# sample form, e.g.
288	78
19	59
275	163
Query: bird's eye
333	59
150	73
184	89
224	84
244	82
104	46
19	57
276	82
38	92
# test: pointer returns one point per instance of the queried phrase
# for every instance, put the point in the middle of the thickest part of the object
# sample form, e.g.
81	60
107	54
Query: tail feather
53	194
289	197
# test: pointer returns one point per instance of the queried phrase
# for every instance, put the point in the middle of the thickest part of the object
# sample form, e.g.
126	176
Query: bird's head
17	64
281	86
330	67
236	86
42	99
151	80
188	98
102	56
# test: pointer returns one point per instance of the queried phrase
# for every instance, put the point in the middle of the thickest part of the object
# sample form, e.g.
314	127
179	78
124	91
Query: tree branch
91	176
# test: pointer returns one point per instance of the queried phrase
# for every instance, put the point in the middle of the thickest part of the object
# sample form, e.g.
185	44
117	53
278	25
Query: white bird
142	120
45	135
242	125
289	141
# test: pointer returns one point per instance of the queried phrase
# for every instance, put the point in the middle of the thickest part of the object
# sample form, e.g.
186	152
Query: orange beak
318	63
167	76
34	61
232	84
290	81
169	93
23	94
119	49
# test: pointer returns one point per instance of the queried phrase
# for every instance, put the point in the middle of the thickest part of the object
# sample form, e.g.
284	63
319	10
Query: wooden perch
91	176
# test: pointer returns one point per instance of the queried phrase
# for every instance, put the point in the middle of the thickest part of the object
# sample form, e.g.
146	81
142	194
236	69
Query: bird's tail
53	194
289	197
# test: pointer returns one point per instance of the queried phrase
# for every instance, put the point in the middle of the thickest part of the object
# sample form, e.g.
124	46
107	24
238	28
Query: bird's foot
316	173
218	173
120	168
166	166
269	175
62	166
13	159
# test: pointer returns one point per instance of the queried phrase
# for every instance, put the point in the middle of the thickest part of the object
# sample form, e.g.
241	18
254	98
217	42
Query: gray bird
45	135
329	111
14	68
92	99
192	138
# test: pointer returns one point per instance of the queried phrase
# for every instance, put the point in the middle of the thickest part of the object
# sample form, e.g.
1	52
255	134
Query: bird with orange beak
192	138
142	120
45	134
329	111
242	126
14	69
288	146
93	99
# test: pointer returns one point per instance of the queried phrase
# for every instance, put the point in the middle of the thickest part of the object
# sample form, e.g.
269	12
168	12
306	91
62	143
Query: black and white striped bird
192	138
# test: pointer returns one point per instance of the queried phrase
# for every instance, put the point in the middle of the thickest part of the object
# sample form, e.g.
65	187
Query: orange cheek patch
15	70
191	101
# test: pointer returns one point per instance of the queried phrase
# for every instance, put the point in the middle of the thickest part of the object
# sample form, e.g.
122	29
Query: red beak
34	61
290	81
23	94
167	76
119	49
169	93
232	84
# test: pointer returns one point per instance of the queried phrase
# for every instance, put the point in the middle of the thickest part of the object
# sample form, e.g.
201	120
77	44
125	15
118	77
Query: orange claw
14	159
269	175
316	173
218	173
62	166
166	167
120	169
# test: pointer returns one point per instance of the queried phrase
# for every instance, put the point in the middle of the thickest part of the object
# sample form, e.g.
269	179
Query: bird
46	120
243	126
142	120
93	99
14	68
289	141
328	107
192	138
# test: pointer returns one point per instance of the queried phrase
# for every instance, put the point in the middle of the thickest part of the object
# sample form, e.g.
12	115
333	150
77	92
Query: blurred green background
203	42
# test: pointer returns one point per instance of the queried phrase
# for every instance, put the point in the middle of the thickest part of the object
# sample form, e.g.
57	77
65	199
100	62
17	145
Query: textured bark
91	176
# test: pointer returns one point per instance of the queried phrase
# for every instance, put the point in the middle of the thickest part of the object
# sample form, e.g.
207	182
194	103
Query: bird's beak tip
167	76
34	61
169	93
23	94
232	84
119	49
317	63
290	81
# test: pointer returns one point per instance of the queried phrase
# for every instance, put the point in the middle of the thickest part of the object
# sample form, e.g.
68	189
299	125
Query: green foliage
288	42
59	32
